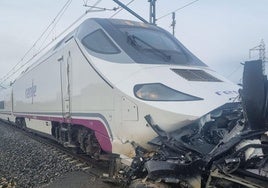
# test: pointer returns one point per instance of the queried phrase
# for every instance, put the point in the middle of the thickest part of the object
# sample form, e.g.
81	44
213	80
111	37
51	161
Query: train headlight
160	92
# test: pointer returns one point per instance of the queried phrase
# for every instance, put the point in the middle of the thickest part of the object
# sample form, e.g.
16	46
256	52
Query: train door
65	63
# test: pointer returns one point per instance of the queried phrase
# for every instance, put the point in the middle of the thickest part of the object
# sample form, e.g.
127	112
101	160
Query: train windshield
148	39
154	46
151	42
148	44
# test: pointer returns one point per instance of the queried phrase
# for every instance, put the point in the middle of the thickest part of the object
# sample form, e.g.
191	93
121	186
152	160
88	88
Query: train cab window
99	42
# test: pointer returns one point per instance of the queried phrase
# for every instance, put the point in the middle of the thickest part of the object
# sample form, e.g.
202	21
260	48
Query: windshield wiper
133	41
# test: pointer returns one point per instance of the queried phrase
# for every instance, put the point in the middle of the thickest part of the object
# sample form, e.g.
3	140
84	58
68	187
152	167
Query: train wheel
88	142
20	122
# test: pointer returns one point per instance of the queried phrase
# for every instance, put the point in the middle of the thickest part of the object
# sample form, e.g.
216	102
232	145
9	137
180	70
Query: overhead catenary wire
98	8
121	9
101	8
54	25
235	70
85	2
28	61
188	4
35	43
56	19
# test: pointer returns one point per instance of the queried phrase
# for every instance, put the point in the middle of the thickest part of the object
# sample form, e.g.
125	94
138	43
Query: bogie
76	136
20	122
88	142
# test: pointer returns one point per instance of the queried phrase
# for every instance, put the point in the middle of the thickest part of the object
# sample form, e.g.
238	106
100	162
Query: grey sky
219	32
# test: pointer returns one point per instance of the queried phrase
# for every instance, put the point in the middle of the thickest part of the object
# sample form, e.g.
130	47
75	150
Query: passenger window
99	42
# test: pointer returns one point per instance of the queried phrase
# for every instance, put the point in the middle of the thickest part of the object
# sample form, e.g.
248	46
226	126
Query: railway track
84	162
97	168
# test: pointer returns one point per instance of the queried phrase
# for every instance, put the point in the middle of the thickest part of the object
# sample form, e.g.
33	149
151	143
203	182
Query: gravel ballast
25	162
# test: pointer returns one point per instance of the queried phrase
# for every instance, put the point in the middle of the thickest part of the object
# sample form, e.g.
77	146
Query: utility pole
173	24
152	12
261	49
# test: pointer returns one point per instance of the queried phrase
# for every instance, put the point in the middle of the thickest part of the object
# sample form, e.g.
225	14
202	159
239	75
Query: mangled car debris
226	148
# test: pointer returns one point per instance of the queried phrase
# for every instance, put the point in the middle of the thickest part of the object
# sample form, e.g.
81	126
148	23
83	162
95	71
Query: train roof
108	24
102	21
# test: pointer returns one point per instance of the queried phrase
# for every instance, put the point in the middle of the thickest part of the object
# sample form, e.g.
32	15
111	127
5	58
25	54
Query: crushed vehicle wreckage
226	148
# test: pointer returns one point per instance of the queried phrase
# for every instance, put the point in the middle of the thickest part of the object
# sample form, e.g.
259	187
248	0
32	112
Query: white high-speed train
93	89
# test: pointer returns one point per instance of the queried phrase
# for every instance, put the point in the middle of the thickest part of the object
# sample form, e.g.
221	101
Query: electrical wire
85	2
121	9
4	78
95	4
101	8
54	25
188	4
23	65
235	70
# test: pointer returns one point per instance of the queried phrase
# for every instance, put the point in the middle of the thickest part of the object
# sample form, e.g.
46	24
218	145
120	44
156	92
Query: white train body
6	105
107	75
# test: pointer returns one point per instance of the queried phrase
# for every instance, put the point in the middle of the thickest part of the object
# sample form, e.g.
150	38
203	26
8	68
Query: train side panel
66	88
6	105
38	91
89	92
91	97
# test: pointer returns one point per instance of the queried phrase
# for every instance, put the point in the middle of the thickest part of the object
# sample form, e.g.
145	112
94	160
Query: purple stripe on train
96	125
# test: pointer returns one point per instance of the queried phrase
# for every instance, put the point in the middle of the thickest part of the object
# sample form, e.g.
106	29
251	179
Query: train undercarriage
78	137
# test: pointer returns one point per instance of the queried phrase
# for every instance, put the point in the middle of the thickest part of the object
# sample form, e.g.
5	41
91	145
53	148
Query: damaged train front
227	147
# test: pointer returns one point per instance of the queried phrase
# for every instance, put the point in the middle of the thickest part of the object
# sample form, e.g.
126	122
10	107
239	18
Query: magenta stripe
100	132
96	125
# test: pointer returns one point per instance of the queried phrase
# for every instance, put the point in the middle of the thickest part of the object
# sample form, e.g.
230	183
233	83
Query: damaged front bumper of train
226	148
221	152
